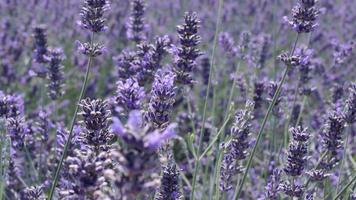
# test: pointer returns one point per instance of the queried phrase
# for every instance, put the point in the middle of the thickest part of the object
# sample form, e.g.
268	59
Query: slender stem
345	188
343	159
239	189
215	138
81	95
196	168
260	133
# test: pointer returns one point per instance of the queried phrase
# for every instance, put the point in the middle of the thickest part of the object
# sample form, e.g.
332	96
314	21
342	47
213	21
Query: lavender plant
139	113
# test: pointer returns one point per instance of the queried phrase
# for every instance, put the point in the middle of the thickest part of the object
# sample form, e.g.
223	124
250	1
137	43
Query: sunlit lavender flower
136	24
350	107
187	54
55	74
272	188
236	149
169	189
96	118
304	16
162	99
129	94
297	152
92	15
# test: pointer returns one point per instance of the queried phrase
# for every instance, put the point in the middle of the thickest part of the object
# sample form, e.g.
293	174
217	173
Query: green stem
196	168
81	95
260	133
345	188
343	159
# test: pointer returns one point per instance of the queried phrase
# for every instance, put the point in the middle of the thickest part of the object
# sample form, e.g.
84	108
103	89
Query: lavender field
177	99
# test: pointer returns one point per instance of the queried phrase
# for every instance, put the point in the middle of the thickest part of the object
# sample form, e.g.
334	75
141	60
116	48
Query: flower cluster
188	52
96	118
55	74
304	16
236	149
169	189
92	15
136	25
129	94
162	99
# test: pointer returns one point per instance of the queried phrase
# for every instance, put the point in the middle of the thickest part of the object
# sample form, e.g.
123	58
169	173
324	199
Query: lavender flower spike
304	16
129	94
92	15
55	74
188	52
236	149
162	99
170	189
136	25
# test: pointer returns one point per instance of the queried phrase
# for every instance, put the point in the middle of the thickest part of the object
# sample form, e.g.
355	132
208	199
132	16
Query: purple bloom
236	149
136	25
304	16
162	99
187	54
129	94
169	189
272	188
55	74
297	152
92	15
96	118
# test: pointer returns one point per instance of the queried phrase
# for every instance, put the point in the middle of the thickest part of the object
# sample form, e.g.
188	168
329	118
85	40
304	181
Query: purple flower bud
92	15
169	189
55	74
304	16
162	99
129	94
187	54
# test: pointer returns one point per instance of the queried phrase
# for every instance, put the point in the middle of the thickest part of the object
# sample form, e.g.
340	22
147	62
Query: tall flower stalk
92	18
303	20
